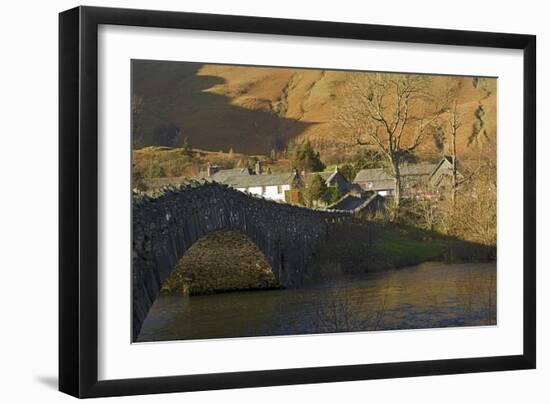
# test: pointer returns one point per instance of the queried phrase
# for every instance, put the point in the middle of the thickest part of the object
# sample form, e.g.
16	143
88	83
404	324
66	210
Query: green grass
413	249
401	245
372	246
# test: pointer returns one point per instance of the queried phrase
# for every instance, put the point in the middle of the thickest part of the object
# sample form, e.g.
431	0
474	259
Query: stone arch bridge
167	223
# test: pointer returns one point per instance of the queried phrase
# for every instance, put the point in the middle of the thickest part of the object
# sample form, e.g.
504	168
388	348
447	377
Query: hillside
162	161
254	110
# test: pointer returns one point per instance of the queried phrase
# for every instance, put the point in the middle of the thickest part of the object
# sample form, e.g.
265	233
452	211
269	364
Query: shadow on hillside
179	103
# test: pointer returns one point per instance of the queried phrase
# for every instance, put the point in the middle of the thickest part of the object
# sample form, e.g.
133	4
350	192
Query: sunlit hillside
255	110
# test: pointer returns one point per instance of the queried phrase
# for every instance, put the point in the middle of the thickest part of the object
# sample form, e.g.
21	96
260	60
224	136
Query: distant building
271	186
366	203
332	179
223	175
424	179
275	186
375	179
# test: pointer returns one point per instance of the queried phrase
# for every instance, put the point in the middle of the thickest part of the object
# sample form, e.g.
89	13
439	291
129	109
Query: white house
268	185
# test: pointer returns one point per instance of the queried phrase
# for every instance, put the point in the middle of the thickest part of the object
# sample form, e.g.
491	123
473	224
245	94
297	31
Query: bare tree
391	113
473	216
454	124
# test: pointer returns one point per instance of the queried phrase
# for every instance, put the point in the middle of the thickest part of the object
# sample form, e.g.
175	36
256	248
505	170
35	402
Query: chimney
211	169
258	168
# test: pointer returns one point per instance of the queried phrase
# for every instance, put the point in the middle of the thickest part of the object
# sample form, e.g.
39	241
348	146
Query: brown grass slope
253	110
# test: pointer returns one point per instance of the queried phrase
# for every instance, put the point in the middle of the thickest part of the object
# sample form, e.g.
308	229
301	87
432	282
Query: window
279	189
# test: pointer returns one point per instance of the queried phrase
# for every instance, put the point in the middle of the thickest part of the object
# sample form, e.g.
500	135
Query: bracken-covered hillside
254	110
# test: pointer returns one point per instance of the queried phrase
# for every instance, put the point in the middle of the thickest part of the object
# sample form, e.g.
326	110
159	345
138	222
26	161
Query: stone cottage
417	180
275	186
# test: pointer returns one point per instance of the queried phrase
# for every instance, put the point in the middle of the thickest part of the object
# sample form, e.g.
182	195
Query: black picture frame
78	201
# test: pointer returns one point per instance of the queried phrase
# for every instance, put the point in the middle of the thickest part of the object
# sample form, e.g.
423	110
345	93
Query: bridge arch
167	224
222	260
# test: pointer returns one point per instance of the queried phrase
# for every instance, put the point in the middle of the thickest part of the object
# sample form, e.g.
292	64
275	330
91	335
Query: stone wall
167	222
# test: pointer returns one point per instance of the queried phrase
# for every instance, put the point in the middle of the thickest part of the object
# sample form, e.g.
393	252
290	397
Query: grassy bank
413	250
398	246
361	247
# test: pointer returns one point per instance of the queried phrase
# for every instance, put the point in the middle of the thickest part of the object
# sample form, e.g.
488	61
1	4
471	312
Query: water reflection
425	296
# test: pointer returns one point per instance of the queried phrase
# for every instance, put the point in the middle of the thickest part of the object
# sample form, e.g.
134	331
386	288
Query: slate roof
331	178
368	202
348	202
372	174
382	174
224	175
379	185
245	178
339	180
418	169
325	175
375	179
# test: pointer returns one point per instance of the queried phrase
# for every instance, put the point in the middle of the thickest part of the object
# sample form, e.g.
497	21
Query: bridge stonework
165	225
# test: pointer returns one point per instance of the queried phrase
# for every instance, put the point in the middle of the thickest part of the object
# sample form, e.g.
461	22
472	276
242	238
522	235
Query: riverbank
356	248
400	246
227	261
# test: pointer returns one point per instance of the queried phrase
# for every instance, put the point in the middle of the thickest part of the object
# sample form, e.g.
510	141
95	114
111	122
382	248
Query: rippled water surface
424	296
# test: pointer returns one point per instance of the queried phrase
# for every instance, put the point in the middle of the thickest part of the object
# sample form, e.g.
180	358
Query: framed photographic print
250	201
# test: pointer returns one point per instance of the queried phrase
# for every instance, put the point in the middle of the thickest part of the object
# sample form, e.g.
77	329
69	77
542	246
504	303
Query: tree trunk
396	191
454	181
454	128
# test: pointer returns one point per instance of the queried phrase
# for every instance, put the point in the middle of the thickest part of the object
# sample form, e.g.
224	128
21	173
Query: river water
424	296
